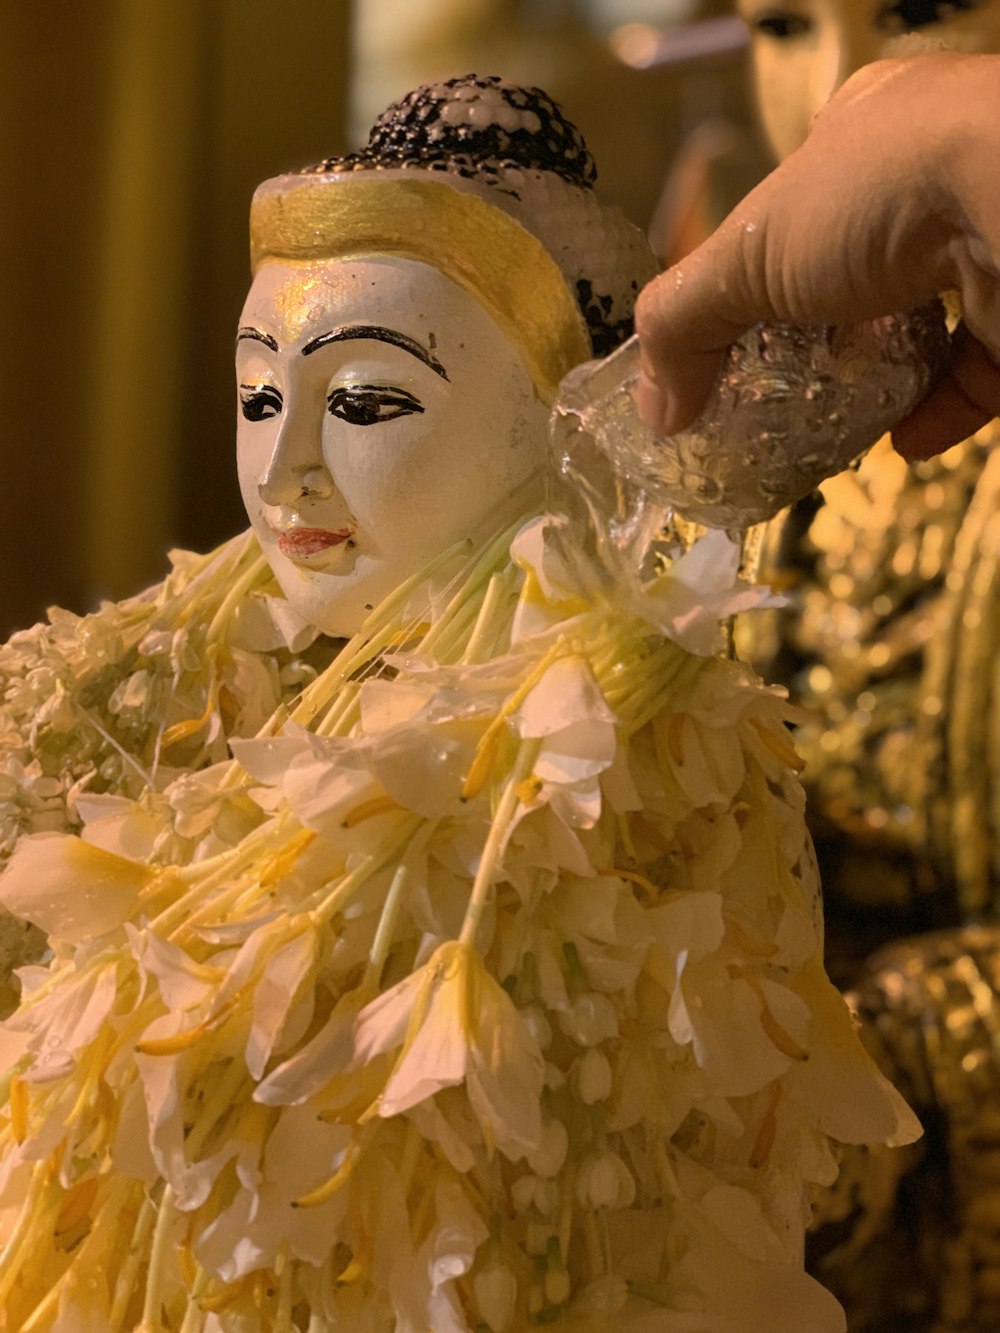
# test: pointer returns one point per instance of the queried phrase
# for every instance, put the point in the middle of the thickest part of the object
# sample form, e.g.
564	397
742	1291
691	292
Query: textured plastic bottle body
792	406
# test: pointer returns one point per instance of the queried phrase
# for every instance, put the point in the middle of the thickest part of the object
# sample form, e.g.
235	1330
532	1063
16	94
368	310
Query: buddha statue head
803	50
413	309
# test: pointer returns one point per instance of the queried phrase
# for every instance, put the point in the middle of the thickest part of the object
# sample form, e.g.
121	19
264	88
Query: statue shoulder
123	701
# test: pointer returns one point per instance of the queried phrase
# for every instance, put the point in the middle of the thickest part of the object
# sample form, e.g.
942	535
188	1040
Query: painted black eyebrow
382	334
248	332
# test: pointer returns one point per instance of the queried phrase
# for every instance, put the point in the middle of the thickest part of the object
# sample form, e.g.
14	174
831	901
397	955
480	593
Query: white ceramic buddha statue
482	989
389	443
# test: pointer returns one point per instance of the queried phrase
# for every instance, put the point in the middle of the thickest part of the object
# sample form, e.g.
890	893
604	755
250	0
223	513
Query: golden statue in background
891	646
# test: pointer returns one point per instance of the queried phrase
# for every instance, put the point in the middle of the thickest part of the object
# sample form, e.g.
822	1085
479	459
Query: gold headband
478	246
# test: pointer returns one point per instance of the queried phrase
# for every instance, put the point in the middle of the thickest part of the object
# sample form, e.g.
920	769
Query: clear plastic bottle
791	407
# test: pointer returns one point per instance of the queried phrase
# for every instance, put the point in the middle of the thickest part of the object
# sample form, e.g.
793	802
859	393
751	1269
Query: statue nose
284	486
296	469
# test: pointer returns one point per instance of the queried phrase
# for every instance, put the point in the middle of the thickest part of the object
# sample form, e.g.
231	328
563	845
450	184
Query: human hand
893	198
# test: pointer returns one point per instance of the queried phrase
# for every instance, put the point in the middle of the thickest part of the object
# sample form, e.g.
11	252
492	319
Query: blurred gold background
132	134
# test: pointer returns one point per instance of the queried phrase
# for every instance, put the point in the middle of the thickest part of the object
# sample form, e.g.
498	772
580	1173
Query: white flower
253	685
608	929
274	998
456	1025
590	1019
592	1077
326	1056
423	1288
705	759
547	1158
447	1121
567	712
386	704
166	1080
202	804
321	780
448	1254
731	1025
840	1088
421	767
700	591
70	889
117	824
183	983
495	1290
64	1019
602	1299
551	592
755	1296
604	1182
265	622
415	765
263	1221
540	848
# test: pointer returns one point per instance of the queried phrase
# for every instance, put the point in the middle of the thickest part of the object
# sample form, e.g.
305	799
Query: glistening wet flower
481	990
453	1023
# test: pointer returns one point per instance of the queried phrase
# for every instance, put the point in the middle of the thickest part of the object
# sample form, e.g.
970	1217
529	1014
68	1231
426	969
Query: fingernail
652	403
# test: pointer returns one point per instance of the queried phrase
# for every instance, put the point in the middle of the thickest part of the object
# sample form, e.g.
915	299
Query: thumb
685	320
958	405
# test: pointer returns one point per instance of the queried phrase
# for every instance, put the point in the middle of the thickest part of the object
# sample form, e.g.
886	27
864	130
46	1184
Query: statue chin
336	595
335	603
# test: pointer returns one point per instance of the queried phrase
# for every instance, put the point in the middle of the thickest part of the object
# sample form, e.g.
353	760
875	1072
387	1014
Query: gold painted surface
918	1232
476	245
894	635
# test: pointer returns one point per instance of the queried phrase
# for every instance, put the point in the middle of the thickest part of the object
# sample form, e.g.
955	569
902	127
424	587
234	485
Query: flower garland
487	995
132	697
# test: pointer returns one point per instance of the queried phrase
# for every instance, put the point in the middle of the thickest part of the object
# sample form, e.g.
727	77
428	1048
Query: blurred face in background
803	50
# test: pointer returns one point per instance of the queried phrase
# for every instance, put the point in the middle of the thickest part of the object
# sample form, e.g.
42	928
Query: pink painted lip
300	543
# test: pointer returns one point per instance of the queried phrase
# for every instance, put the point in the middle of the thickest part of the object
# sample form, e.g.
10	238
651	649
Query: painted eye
781	25
259	402
370	404
909	15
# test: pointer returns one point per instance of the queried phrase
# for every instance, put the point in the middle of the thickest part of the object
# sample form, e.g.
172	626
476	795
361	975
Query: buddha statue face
383	415
803	50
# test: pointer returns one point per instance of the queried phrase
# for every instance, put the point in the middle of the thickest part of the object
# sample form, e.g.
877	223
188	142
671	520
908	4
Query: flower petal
275	994
840	1083
567	695
68	888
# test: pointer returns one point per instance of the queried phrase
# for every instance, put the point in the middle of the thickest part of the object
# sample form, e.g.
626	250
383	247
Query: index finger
835	235
685	319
